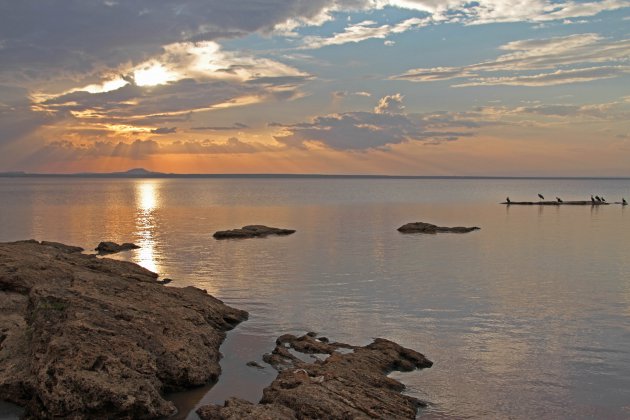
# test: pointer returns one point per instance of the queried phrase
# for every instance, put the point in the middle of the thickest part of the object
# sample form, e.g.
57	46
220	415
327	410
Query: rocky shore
339	382
85	337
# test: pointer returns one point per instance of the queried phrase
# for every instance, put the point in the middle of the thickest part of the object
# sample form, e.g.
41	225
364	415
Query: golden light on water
147	201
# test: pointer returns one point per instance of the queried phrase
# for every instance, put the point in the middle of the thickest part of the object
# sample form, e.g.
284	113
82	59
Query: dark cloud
370	130
131	100
41	39
164	130
235	126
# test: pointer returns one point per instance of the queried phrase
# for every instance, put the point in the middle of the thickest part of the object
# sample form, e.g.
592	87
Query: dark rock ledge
83	337
350	383
422	227
113	247
251	231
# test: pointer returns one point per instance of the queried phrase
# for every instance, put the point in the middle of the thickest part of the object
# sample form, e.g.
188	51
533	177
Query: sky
392	87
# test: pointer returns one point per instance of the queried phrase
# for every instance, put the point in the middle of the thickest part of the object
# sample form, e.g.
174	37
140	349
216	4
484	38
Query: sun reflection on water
147	201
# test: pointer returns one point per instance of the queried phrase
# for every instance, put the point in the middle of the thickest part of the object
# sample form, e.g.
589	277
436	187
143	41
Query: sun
153	74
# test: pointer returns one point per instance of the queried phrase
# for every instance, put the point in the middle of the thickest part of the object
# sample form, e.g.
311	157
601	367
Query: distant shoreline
155	175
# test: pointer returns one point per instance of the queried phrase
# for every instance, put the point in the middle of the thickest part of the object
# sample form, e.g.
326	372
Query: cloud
390	104
538	54
142	149
17	118
340	94
558	77
457	11
361	31
164	130
493	11
235	126
387	125
68	39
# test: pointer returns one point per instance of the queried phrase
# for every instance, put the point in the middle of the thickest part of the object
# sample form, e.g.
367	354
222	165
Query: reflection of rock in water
352	384
94	337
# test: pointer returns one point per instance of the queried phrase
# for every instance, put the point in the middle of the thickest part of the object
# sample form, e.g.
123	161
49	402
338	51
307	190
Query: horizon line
151	174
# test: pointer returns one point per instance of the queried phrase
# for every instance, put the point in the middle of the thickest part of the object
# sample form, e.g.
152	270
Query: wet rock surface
422	227
113	247
85	337
251	231
351	383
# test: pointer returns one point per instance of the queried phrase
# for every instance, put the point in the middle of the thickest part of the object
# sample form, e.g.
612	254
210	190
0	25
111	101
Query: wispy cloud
538	54
558	77
493	11
363	30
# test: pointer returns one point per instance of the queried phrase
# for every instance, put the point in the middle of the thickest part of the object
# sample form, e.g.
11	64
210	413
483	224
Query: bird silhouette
507	199
624	202
599	200
592	199
559	199
541	196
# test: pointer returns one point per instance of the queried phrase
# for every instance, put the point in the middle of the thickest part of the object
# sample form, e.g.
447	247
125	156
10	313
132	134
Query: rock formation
421	227
85	337
113	247
251	231
350	383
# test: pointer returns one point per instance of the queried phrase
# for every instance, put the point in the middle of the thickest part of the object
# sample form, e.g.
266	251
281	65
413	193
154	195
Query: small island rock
422	227
346	385
251	231
113	247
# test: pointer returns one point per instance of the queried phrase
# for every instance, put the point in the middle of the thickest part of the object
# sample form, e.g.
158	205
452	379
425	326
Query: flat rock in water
251	231
83	337
422	227
346	385
113	247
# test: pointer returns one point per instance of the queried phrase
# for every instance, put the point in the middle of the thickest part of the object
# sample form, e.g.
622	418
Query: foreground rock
421	227
351	383
85	337
251	231
113	247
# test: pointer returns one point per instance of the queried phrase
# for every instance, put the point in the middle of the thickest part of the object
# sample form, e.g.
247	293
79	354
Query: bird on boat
559	199
624	202
541	196
507	200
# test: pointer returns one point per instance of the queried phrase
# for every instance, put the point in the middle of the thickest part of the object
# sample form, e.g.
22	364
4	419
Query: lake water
528	317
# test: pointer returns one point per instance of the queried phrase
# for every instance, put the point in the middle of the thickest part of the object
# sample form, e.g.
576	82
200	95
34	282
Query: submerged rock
85	337
251	231
113	247
422	227
346	385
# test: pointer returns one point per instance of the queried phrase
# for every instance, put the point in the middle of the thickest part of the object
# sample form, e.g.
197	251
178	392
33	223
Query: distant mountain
138	171
131	173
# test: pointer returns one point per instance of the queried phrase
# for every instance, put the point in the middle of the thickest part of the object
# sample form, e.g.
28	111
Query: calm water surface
527	318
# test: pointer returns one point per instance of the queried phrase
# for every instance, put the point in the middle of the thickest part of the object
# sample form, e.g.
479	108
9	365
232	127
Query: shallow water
527	318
